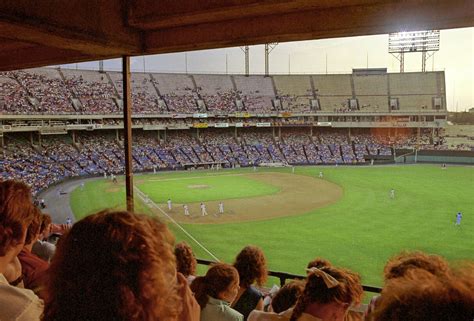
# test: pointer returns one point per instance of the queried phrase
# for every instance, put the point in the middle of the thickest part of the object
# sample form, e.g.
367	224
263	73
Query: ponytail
200	288
218	279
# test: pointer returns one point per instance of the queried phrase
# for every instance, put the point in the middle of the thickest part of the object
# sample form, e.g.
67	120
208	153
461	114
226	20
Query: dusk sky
455	57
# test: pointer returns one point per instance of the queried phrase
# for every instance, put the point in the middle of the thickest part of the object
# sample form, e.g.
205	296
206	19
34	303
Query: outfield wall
435	156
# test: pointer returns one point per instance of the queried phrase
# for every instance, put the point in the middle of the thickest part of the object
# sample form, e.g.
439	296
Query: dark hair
34	227
421	295
349	290
114	266
217	279
287	296
318	262
252	266
45	222
16	213
185	260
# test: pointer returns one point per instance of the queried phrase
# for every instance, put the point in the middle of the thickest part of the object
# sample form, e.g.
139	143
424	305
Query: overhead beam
61	38
378	18
90	27
145	14
43	56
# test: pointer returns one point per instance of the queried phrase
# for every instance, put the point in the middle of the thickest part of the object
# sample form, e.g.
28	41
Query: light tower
268	48
247	59
426	42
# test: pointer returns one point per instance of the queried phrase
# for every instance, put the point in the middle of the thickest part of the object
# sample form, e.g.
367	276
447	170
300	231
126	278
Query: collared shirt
17	304
219	310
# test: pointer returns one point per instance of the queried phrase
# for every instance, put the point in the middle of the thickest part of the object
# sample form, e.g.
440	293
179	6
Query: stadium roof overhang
48	32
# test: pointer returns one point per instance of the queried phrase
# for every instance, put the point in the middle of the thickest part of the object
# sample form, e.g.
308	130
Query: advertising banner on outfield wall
221	125
201	125
264	124
239	124
198	115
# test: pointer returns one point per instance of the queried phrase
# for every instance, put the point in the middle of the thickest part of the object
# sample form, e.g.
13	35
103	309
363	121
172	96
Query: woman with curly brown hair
117	266
215	291
252	267
328	294
421	295
185	261
401	264
16	214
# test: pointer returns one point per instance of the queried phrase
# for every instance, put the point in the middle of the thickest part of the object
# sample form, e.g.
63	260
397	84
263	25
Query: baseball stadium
355	167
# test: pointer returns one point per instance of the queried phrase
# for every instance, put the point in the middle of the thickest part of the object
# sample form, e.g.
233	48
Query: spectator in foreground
33	268
252	267
185	261
117	266
328	294
282	303
421	295
42	248
16	214
215	291
401	264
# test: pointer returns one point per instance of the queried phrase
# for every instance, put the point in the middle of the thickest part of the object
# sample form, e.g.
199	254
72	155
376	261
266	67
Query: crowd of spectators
98	256
56	158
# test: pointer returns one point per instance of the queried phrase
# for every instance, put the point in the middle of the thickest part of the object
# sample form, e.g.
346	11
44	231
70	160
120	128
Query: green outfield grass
360	232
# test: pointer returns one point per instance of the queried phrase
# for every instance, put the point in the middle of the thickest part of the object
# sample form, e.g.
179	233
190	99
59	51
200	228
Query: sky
337	55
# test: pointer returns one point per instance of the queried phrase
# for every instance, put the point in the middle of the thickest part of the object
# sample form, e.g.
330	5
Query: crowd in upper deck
66	91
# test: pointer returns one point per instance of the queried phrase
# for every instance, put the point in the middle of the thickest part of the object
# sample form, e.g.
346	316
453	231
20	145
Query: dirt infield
298	194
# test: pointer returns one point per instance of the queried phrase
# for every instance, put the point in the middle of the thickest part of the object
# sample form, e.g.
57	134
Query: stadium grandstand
54	122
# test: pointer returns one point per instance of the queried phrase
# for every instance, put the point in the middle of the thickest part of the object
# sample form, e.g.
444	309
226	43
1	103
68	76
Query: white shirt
17	304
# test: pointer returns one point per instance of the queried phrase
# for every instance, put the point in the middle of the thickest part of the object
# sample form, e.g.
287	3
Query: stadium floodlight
400	43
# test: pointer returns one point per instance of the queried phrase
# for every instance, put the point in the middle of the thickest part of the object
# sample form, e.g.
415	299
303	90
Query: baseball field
347	216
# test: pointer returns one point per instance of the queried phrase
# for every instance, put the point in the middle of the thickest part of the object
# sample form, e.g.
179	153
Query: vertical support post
247	61
74	137
127	122
402	62
423	61
267	62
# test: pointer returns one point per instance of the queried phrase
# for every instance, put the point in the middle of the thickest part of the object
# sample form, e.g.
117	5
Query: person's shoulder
232	314
19	304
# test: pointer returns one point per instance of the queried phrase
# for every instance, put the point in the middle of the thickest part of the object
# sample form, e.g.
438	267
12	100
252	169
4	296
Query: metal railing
283	276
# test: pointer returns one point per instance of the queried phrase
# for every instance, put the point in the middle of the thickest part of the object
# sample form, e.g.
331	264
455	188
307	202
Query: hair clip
329	280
